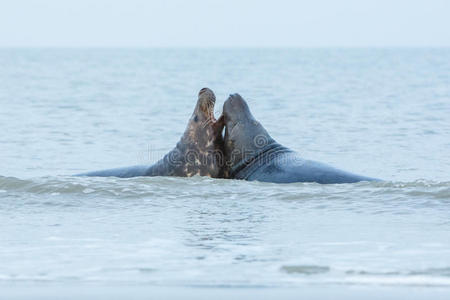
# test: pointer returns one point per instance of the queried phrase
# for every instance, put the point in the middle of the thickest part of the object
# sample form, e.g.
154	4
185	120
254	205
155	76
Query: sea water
382	113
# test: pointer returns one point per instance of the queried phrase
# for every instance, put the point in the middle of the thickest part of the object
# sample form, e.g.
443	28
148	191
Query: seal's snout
234	100
203	90
232	96
205	104
206	97
235	108
207	93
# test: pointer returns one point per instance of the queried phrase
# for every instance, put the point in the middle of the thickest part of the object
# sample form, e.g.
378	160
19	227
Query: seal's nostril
203	90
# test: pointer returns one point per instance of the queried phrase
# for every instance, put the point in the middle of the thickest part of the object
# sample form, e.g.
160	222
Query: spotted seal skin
252	154
199	151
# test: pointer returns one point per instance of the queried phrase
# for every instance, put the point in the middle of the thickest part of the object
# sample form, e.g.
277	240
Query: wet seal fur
199	151
252	154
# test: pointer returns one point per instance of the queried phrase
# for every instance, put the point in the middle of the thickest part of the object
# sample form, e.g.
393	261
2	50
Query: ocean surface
377	112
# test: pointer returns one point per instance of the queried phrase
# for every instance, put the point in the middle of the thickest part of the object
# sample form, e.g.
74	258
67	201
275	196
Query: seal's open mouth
207	100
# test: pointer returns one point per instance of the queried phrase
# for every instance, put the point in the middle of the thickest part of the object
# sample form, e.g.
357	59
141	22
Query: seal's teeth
211	115
209	93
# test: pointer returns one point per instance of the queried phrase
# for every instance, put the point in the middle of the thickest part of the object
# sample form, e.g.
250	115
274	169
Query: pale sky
224	23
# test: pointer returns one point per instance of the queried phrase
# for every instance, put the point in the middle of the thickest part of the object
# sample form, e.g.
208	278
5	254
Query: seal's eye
195	119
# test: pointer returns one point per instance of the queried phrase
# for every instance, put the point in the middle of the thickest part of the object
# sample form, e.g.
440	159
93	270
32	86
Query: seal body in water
252	154
199	151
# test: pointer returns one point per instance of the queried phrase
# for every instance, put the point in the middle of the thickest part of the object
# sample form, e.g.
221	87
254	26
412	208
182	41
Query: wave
293	275
144	186
419	277
81	185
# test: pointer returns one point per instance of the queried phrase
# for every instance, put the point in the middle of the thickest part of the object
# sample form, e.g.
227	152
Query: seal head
245	137
200	149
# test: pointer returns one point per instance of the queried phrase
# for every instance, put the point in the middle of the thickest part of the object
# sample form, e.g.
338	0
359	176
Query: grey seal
199	151
252	154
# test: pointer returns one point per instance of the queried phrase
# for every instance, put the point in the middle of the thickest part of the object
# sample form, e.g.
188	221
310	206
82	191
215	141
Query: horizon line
226	47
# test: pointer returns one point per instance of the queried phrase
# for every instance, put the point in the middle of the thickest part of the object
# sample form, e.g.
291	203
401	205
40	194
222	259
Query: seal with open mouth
199	151
252	154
